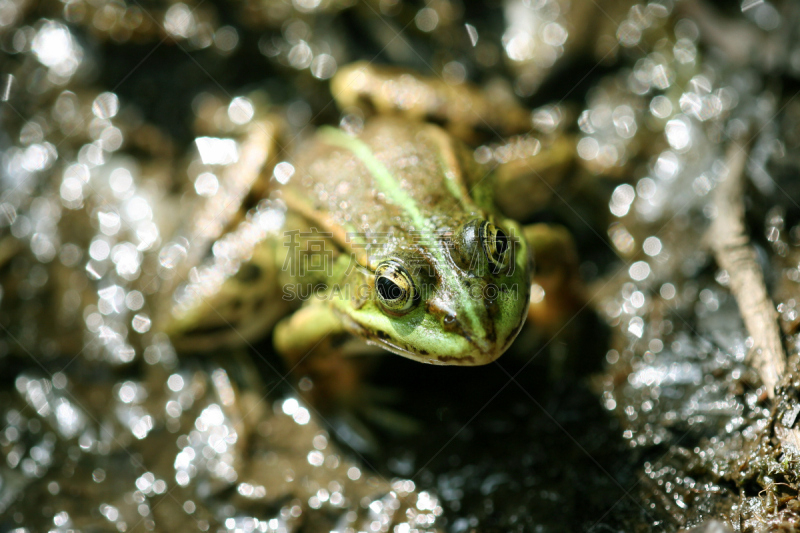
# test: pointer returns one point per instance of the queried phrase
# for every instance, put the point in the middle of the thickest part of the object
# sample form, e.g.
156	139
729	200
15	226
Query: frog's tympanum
389	235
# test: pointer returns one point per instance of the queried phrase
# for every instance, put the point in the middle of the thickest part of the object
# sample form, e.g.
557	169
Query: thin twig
734	253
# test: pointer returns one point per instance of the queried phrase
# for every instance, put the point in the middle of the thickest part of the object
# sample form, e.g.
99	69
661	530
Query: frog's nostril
449	322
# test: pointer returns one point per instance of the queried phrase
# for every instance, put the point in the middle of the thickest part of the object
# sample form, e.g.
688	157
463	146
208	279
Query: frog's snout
449	319
445	313
473	347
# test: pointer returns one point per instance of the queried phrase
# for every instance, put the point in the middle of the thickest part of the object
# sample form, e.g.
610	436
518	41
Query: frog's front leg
558	308
313	328
558	292
312	343
316	345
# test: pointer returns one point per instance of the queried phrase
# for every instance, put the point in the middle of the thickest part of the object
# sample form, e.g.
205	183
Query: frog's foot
463	108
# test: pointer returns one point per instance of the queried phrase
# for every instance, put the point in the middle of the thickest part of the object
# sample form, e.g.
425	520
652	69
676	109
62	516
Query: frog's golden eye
495	244
394	287
479	242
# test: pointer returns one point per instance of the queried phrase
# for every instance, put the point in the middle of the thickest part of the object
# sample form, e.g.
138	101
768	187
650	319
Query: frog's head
460	299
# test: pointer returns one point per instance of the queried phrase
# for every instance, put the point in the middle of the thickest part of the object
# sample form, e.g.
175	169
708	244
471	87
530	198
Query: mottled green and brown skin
398	191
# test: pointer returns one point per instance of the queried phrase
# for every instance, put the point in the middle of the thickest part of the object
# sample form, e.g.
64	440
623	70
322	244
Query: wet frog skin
460	273
410	261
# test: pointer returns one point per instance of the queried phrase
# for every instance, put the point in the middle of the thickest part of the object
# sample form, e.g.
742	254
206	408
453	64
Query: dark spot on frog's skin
248	273
450	323
449	358
491	334
423	352
381	334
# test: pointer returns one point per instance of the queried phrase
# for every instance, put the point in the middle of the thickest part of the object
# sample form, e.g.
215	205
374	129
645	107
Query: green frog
388	234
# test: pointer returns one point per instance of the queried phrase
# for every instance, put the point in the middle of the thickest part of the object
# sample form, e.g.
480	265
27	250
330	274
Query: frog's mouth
382	341
372	338
479	357
401	351
441	360
472	354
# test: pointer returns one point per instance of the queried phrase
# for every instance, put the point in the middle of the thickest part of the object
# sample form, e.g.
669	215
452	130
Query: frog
409	252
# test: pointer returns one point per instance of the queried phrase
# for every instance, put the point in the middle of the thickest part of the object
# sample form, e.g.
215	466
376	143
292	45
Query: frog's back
396	176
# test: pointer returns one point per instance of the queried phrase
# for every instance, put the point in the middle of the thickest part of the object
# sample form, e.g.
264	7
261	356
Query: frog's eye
495	243
479	239
394	287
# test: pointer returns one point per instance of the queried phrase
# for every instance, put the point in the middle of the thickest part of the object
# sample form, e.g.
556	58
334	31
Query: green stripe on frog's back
390	187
